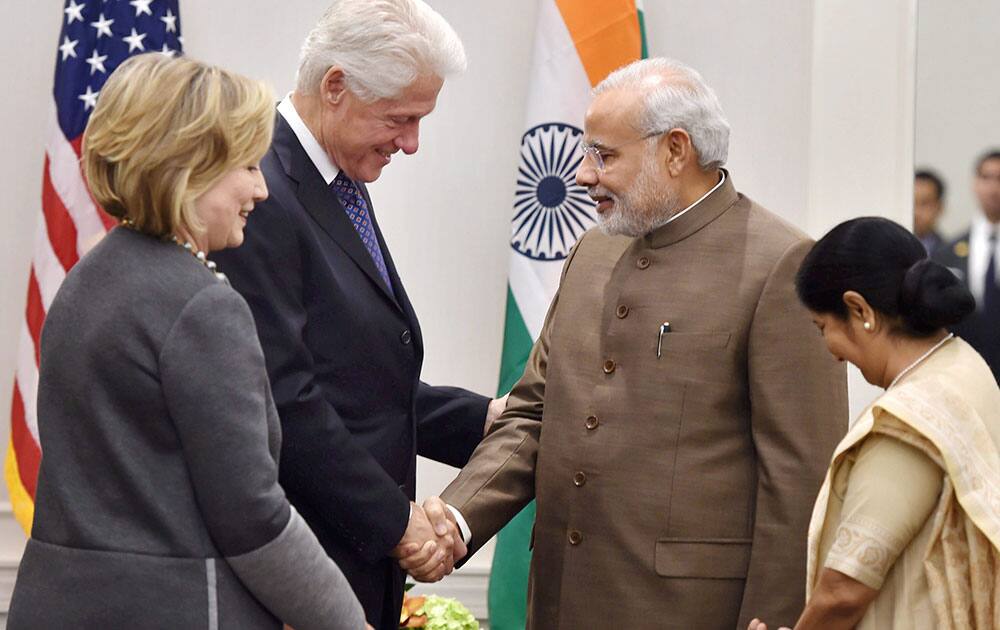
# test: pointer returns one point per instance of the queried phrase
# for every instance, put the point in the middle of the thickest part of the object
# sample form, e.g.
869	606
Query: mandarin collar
696	217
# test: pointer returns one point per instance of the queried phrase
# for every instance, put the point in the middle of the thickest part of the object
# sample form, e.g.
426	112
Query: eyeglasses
597	152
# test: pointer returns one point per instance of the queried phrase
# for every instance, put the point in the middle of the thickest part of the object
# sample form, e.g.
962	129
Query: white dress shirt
320	159
722	180
979	255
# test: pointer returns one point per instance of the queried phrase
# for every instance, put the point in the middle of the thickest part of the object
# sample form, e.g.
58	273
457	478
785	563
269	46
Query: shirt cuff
463	526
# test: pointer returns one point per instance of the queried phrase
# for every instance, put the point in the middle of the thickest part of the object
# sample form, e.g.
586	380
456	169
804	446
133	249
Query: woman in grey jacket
158	504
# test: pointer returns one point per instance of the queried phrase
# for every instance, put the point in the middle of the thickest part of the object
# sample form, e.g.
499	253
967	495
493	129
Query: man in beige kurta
678	411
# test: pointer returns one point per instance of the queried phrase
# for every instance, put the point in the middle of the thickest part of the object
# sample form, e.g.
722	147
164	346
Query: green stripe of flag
508	588
511	560
642	33
516	346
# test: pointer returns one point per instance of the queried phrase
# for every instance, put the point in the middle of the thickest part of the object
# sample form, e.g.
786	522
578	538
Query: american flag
96	36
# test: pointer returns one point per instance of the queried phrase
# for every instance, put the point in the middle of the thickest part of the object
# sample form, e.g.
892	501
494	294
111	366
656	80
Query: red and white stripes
71	224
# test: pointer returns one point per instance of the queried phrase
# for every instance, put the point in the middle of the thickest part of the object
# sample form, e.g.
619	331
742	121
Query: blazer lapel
402	299
324	207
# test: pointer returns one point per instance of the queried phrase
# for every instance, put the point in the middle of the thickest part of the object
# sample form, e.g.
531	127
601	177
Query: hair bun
932	297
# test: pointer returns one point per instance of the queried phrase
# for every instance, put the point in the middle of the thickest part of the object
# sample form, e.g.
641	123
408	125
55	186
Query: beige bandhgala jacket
673	488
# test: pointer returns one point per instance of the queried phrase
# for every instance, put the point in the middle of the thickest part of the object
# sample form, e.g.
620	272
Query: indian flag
577	44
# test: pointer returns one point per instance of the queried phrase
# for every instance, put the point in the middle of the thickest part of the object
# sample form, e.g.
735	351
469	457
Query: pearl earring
868	325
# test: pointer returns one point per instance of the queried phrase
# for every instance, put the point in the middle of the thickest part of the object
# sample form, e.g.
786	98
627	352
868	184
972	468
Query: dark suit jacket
981	329
932	242
343	352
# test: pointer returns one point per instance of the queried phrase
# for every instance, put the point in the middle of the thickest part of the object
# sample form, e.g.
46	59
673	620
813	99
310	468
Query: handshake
432	543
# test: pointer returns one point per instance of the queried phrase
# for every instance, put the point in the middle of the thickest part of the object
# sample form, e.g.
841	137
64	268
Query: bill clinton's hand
423	553
497	405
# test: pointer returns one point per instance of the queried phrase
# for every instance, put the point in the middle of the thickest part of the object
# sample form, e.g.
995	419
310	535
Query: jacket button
405	337
609	366
622	311
642	263
579	479
575	537
591	423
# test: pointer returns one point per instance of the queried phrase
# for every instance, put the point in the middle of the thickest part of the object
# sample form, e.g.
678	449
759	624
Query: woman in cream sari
906	529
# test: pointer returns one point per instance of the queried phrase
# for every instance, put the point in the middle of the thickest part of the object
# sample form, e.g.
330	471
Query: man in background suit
341	340
678	411
975	257
928	205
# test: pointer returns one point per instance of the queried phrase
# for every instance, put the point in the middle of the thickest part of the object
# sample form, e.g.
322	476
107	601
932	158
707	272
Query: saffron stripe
605	32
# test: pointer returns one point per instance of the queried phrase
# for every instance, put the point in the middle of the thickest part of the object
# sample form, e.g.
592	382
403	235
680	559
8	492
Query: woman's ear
860	311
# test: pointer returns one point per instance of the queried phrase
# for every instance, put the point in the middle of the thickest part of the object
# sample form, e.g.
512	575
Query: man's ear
334	86
678	150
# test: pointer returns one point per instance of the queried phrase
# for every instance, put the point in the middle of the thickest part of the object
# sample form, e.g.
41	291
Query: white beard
642	208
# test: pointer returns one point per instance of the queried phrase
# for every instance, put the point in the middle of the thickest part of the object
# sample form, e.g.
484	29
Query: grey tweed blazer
158	504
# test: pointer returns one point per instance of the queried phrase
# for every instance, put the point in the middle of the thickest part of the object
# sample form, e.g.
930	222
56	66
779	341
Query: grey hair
383	46
685	102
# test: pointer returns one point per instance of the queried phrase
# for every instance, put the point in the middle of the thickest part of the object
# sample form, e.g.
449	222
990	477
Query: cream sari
948	575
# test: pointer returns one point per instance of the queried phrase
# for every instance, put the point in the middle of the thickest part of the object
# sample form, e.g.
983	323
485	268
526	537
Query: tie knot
343	182
346	190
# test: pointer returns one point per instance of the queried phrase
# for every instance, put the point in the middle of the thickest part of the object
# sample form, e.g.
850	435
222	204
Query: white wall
804	84
861	127
958	96
758	59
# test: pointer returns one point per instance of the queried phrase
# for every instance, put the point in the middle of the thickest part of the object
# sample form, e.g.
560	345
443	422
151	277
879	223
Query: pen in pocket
664	328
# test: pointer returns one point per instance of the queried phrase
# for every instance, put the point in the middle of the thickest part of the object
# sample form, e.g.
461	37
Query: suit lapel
324	207
401	298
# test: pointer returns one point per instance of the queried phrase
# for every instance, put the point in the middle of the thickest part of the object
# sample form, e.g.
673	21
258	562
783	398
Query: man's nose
586	174
409	141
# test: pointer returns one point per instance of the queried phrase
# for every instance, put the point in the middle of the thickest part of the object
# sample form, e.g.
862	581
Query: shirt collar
982	228
710	206
722	179
320	159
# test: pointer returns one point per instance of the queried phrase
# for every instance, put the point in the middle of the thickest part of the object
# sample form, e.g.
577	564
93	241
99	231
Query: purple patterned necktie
357	211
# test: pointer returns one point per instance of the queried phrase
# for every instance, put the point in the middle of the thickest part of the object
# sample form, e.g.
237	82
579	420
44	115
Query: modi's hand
422	553
443	521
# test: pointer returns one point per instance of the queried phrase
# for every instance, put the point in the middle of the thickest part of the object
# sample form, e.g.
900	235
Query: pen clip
664	328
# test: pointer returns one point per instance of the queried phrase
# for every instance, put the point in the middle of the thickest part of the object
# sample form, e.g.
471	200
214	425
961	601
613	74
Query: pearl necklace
921	358
202	258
